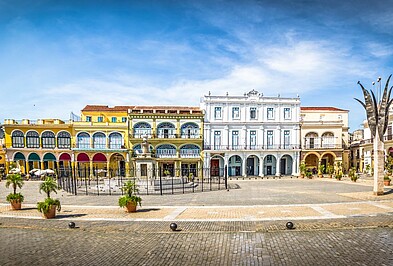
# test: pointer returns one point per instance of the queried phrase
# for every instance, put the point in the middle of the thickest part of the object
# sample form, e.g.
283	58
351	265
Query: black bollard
71	225
289	225
173	226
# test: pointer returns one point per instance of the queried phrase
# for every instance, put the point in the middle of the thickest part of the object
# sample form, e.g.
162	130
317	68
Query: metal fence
158	181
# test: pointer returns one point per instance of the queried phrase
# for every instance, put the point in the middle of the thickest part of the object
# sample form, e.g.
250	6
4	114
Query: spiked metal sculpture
377	118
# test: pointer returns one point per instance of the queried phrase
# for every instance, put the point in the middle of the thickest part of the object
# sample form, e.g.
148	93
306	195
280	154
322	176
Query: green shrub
44	206
15	197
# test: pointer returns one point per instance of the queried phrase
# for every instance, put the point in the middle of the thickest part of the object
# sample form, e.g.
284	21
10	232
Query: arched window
190	131
328	140
115	141
166	130
99	141
32	139
18	139
83	140
64	140
312	140
48	140
142	129
190	151
166	150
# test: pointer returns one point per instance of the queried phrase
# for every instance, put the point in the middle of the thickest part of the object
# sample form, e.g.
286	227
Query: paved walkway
336	223
310	199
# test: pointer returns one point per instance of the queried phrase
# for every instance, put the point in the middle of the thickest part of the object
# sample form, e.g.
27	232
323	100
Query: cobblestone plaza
336	223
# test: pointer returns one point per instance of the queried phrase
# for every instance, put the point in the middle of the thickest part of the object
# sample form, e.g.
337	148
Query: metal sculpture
377	118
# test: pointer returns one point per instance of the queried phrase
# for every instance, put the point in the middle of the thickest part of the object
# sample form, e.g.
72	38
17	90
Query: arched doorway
269	165
117	165
34	161
217	165
252	167
49	161
235	166
64	164
20	162
83	165
311	160
327	159
286	162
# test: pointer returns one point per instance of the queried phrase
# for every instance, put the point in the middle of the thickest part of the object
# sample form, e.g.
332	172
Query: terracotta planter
16	205
51	213
386	182
130	207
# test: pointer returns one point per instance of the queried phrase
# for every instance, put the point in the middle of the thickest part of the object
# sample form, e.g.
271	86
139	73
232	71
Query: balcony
166	153
189	153
322	147
251	147
166	136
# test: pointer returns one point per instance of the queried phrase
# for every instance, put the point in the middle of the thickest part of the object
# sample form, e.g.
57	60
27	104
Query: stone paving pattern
336	223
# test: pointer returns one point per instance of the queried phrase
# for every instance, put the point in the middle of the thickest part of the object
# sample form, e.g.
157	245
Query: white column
295	164
278	165
244	164
261	166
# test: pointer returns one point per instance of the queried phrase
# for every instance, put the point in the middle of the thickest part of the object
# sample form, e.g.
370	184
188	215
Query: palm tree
48	186
15	180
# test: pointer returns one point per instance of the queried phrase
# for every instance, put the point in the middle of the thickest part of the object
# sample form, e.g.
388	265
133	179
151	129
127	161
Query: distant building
356	156
324	137
251	135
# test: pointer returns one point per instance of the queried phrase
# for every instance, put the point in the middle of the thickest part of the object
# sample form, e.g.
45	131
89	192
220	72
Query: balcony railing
189	153
110	146
251	147
324	146
166	136
166	153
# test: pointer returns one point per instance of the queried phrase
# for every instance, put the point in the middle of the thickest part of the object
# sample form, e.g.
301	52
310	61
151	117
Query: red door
214	167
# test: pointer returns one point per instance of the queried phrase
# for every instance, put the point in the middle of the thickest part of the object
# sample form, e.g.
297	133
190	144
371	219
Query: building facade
175	136
324	137
99	143
106	141
366	145
251	135
40	144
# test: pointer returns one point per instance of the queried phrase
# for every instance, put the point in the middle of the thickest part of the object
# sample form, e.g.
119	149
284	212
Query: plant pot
51	213
320	176
16	205
131	207
386	182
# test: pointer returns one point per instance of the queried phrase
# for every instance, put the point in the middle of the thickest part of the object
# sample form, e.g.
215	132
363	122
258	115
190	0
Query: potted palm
352	174
49	206
129	200
321	169
386	180
339	175
330	170
303	169
15	199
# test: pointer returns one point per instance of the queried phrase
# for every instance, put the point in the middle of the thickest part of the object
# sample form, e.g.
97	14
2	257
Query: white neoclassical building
251	135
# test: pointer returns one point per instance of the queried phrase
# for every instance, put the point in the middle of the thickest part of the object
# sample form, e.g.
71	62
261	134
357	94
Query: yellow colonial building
40	144
324	137
175	136
100	138
106	141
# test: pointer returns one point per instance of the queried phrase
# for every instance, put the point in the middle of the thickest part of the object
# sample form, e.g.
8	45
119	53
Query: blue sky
58	56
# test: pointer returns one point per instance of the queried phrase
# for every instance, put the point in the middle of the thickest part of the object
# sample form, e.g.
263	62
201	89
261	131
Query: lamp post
377	111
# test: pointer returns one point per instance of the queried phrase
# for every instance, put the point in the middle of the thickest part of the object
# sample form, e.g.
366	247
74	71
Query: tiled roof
125	108
321	108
